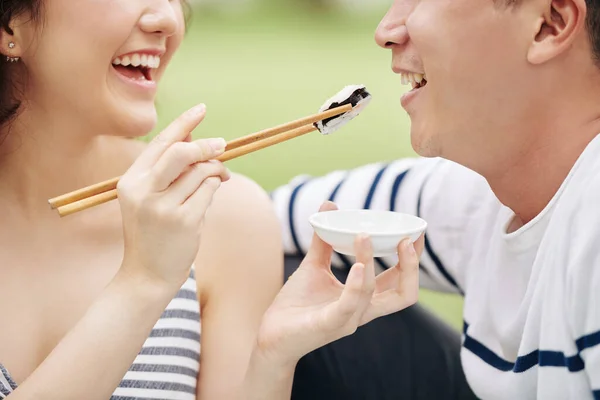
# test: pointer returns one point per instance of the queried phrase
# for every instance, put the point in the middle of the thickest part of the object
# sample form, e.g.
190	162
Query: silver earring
11	46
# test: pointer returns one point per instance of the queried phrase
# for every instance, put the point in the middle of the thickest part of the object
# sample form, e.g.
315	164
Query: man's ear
559	24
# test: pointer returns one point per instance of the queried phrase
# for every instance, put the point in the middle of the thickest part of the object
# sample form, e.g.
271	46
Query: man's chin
423	144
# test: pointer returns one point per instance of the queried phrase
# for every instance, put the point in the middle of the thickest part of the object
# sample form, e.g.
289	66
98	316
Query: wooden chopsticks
106	191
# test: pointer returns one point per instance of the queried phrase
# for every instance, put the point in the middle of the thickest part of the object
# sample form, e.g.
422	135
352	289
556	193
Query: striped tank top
167	366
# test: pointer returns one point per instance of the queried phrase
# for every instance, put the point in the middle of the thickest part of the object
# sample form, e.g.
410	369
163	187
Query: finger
340	313
364	250
398	287
408	270
197	204
190	180
364	255
387	280
177	131
419	245
319	252
408	260
182	155
390	279
386	303
328	206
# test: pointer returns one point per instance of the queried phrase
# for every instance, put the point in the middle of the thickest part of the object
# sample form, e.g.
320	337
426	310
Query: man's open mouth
416	80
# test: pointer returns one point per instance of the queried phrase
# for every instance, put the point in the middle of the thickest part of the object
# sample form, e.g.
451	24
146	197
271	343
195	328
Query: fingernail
217	144
199	109
361	240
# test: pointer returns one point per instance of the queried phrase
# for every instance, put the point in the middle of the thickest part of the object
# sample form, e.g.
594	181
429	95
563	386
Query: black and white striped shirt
168	364
532	297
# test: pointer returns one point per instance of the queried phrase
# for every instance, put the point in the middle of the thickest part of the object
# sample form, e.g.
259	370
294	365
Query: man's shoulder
575	248
577	217
581	195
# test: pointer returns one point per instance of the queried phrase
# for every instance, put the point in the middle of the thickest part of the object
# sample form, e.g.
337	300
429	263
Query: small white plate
386	229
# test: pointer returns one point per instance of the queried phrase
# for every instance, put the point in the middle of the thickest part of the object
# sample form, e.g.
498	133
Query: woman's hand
314	308
164	197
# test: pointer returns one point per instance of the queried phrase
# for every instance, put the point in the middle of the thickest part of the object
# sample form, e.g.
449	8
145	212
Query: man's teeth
410	78
137	60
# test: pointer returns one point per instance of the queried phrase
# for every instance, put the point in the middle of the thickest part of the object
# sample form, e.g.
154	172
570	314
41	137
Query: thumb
319	251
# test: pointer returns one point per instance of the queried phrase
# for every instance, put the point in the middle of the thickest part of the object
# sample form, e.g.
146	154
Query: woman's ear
9	46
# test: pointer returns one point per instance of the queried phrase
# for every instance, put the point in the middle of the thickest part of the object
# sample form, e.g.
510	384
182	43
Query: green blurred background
261	63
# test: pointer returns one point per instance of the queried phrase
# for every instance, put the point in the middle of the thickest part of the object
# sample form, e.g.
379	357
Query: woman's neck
41	159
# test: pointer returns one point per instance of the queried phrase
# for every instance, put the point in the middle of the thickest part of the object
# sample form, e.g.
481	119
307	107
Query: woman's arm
314	309
162	216
94	356
239	272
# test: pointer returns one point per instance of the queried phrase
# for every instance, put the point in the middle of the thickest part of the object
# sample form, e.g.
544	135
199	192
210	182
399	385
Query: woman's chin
136	122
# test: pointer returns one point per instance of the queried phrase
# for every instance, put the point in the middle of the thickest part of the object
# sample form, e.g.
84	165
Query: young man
506	116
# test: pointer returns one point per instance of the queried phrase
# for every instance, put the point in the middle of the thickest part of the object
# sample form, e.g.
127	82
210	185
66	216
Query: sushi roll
356	95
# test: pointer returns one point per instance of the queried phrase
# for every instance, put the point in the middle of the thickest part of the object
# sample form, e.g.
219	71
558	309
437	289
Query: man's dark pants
406	356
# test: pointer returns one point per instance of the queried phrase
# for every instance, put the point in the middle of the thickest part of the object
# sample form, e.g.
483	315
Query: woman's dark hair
10	9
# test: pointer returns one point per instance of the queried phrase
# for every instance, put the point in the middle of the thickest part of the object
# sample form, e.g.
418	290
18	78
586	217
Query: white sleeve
583	288
441	192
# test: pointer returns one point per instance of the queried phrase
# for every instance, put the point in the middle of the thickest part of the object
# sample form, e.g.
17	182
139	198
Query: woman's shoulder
239	191
241	229
240	205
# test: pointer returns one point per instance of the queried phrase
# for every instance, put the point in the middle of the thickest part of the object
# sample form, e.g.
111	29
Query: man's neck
529	182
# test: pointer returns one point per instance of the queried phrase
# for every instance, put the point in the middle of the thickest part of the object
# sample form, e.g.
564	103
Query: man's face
479	84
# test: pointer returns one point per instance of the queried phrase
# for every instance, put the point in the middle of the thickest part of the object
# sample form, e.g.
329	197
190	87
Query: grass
258	69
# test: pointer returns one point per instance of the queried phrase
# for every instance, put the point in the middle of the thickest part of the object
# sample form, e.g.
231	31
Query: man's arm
443	193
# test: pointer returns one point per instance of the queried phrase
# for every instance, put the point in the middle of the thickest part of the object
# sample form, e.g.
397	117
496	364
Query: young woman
109	302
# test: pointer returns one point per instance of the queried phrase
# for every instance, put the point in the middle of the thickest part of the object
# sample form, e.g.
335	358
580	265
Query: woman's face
75	60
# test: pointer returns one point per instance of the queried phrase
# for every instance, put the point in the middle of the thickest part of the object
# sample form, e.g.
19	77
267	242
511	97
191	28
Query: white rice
356	95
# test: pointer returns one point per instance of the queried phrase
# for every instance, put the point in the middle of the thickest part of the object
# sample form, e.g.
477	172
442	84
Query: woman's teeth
137	60
411	78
